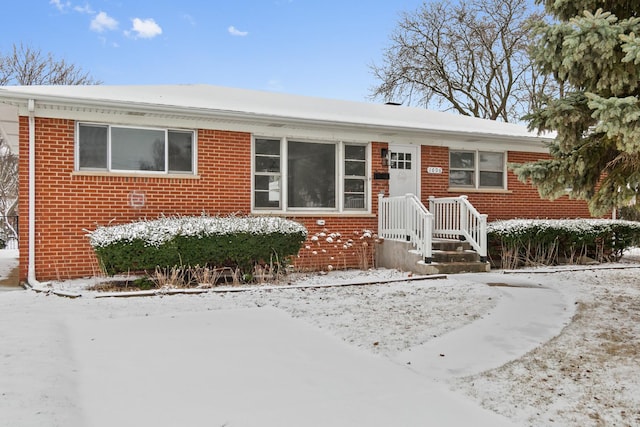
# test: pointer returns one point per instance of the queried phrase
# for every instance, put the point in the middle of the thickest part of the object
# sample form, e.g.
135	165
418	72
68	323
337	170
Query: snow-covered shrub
204	240
520	242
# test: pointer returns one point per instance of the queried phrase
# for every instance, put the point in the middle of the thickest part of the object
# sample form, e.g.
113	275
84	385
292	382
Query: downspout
32	282
31	269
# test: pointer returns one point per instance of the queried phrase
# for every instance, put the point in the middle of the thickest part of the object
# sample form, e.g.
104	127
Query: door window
400	160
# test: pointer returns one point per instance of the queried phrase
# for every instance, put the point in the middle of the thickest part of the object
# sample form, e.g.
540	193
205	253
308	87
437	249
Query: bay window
293	175
125	149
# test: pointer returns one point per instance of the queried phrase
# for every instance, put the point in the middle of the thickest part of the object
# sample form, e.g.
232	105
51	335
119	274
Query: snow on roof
214	100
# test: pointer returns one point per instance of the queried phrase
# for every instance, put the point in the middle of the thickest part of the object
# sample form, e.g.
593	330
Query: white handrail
406	218
456	217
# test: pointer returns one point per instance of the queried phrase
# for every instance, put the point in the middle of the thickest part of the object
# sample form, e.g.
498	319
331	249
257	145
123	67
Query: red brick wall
68	204
519	201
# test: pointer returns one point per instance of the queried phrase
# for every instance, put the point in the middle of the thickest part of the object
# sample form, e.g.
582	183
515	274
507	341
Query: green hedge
514	243
240	242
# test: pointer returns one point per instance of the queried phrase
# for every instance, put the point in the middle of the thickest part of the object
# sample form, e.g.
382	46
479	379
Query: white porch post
381	214
407	217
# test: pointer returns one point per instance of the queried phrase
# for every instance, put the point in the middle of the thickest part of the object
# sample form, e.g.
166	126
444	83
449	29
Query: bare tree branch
469	56
8	189
26	65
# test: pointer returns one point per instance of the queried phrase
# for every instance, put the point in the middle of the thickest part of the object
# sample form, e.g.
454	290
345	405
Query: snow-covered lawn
588	375
339	356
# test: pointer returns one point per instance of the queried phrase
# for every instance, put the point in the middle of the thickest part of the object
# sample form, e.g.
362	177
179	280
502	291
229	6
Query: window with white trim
267	178
113	148
355	177
476	169
295	175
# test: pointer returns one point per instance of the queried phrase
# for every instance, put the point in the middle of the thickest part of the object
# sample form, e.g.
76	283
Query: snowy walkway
526	316
249	367
8	264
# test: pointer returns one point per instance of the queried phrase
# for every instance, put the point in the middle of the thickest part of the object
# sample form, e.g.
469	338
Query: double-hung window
126	149
292	175
476	169
355	177
267	179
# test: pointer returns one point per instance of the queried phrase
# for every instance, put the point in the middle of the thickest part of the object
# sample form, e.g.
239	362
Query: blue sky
307	47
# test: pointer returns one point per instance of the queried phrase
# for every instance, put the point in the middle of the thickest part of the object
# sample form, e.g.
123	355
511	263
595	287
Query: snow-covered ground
539	347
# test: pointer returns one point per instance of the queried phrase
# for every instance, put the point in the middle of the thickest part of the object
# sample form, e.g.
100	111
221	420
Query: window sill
479	190
135	175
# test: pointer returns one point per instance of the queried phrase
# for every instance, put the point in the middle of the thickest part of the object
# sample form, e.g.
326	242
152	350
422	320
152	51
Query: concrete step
398	254
458	267
455	256
450	245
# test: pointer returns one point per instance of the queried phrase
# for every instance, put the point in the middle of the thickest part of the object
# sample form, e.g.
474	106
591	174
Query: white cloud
103	22
189	19
235	32
84	9
63	6
60	5
144	28
106	42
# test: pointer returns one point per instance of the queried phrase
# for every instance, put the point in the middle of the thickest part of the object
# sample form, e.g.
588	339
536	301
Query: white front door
403	170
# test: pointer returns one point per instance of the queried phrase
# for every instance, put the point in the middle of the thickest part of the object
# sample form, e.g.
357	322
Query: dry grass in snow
588	375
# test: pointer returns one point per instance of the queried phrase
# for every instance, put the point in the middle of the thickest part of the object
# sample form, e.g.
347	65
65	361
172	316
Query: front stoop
449	257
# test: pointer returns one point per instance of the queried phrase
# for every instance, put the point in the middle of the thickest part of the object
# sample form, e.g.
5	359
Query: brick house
113	154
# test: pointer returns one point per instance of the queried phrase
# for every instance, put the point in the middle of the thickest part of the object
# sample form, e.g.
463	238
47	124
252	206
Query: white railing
455	217
406	218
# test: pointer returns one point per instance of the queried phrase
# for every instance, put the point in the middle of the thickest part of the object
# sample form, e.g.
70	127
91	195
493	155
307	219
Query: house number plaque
434	169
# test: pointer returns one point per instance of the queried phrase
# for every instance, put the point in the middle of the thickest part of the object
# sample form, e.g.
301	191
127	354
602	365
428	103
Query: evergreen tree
592	49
